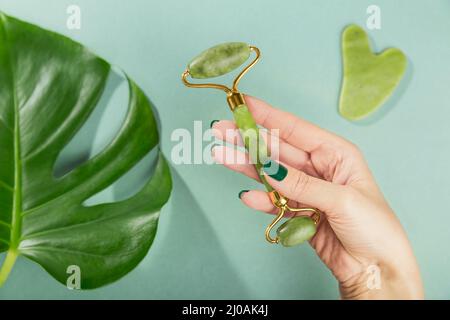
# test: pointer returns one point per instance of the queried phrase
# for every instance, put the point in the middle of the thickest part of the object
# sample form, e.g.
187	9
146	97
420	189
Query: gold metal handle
269	228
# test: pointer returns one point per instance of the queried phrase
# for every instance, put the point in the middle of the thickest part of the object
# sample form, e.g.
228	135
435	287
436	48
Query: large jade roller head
220	60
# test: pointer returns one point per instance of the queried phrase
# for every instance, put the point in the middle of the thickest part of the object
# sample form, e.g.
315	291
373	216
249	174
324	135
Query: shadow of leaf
186	254
81	147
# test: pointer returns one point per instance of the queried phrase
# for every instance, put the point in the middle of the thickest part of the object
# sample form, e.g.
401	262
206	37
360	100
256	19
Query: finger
299	186
227	131
260	200
235	160
296	131
239	161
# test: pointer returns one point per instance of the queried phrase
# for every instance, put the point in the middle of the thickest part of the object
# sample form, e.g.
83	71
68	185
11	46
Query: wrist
382	282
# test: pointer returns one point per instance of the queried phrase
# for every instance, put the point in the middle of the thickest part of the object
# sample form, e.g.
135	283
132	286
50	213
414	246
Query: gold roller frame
234	99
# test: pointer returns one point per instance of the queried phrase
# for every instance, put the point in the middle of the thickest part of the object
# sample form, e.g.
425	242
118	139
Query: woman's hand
359	234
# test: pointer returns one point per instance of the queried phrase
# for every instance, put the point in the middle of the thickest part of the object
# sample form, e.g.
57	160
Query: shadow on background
187	254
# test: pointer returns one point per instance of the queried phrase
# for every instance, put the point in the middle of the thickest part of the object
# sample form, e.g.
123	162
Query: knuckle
348	198
300	185
354	149
267	117
290	129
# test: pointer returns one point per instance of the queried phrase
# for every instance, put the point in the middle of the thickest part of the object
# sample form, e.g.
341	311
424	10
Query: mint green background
209	245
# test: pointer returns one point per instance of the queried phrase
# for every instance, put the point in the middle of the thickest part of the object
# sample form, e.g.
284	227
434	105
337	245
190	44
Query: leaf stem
16	217
7	266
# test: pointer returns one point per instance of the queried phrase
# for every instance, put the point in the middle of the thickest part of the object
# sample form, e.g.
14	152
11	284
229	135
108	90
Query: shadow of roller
187	260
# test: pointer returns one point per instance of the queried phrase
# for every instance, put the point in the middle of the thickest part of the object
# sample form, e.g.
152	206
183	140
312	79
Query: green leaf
369	79
49	86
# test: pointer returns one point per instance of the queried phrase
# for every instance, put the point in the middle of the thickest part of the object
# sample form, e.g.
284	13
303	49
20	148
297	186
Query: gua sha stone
369	79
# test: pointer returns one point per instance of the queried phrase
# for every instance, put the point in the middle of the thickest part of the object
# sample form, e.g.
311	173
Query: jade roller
220	60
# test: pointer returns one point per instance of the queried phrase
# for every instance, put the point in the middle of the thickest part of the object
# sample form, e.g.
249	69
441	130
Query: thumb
297	185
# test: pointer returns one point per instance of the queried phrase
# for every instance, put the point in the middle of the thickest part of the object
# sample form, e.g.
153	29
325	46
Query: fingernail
214	145
242	192
275	170
212	123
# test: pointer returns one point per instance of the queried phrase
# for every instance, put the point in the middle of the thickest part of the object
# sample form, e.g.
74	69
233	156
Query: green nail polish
275	170
212	123
242	192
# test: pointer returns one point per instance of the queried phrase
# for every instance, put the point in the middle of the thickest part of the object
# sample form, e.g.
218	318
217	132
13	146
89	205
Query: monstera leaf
49	85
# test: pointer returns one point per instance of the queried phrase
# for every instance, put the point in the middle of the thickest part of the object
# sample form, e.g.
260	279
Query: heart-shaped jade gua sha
369	78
